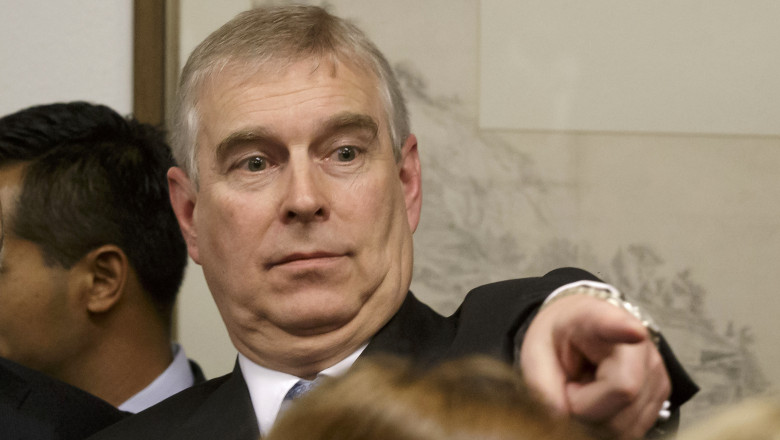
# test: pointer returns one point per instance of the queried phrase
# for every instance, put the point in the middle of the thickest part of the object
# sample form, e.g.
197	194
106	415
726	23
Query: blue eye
346	154
256	163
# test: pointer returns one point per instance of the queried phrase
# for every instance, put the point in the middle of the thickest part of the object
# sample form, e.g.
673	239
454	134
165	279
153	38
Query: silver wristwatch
611	295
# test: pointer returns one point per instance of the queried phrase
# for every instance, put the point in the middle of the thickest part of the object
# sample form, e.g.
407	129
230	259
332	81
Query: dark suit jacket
35	406
487	322
197	372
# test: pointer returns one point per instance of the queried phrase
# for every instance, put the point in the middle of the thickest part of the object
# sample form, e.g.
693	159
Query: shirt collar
267	387
177	377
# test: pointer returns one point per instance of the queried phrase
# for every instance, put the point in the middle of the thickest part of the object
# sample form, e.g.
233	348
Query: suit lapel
197	372
415	331
227	414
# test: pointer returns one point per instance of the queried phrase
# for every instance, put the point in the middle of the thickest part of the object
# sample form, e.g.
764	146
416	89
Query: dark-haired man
93	258
36	406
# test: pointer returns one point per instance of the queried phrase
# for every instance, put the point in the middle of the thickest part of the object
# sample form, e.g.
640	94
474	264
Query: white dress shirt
267	387
177	377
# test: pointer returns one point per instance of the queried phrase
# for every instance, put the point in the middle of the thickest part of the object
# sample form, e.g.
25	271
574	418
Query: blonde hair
389	399
278	36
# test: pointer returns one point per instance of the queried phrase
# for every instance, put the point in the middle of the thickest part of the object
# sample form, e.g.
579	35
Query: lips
304	257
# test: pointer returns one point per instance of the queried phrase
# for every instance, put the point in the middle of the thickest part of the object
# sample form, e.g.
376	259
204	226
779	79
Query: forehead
10	184
309	90
2	232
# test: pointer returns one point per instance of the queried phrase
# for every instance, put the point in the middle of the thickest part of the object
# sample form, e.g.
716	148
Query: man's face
300	220
36	312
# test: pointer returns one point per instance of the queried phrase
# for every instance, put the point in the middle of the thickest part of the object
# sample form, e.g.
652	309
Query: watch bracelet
611	295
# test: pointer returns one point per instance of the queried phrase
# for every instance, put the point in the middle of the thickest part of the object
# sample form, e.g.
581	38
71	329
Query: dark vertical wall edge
149	44
155	65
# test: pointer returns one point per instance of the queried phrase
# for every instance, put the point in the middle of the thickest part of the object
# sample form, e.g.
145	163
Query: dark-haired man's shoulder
218	408
36	406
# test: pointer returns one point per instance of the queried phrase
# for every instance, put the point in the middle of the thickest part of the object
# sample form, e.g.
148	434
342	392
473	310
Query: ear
183	198
107	269
411	179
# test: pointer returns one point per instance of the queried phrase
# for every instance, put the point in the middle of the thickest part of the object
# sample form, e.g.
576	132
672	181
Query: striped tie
299	389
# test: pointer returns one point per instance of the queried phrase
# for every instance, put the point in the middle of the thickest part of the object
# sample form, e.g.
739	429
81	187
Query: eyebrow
260	134
241	137
350	121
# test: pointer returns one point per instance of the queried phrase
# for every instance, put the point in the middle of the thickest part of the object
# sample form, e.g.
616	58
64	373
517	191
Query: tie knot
299	389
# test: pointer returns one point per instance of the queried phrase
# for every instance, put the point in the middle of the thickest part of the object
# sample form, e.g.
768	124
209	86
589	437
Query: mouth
305	259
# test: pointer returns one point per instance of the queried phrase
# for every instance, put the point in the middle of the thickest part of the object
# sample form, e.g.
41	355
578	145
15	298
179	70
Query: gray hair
280	35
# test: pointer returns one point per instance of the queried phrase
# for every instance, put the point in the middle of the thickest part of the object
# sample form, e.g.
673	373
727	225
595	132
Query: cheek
8	312
230	233
381	214
23	306
24	322
390	202
232	223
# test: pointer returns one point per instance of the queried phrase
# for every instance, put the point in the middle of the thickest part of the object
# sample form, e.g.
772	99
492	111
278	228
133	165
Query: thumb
541	368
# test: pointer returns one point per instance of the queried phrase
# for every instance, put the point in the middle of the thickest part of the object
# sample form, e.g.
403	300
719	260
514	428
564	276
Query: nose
306	198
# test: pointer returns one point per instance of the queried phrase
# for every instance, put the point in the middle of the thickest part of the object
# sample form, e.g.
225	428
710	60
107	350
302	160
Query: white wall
63	50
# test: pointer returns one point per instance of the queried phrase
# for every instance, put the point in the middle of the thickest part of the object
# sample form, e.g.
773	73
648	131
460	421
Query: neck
304	357
132	348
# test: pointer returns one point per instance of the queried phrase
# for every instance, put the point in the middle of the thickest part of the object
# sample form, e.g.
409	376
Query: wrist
611	295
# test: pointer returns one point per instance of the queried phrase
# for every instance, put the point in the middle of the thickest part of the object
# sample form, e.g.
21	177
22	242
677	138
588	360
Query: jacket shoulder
164	419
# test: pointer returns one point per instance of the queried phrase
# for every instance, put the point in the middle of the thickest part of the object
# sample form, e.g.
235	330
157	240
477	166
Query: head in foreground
386	398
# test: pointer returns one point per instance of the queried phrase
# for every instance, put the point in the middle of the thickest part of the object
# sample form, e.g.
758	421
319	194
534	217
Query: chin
318	317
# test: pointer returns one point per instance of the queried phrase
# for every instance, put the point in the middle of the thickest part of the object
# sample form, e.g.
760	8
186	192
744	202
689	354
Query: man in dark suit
298	193
93	257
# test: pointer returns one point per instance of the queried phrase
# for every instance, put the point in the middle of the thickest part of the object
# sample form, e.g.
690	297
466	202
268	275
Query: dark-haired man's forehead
2	233
11	176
